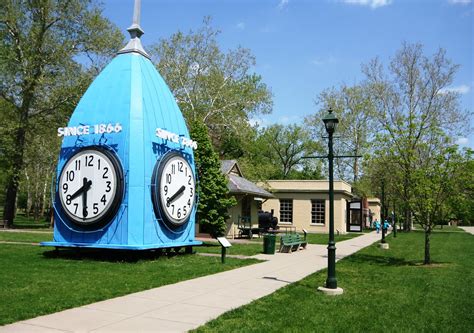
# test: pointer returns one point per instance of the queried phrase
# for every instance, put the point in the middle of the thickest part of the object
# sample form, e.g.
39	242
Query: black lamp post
394	224
330	122
384	216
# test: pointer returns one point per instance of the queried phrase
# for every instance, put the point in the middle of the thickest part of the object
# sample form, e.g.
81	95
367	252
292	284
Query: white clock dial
176	189
90	186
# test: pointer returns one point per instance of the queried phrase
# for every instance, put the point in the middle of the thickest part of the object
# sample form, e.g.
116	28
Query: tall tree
411	105
356	128
278	152
41	42
210	85
214	198
432	185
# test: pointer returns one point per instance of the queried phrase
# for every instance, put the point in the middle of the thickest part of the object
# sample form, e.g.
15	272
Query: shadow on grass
443	231
390	261
108	255
382	261
210	245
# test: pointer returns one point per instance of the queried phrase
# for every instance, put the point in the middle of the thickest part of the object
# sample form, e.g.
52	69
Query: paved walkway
186	305
468	229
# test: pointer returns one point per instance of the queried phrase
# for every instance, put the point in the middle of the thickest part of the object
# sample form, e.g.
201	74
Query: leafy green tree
41	42
214	198
380	175
433	184
355	130
460	203
412	106
211	86
278	151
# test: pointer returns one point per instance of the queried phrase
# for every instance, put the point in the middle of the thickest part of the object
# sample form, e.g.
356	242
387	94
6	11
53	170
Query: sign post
224	245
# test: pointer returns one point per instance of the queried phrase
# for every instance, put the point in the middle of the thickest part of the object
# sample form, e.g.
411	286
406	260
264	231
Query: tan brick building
304	204
298	204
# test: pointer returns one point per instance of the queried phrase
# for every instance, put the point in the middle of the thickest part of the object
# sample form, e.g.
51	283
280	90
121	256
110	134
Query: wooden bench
292	242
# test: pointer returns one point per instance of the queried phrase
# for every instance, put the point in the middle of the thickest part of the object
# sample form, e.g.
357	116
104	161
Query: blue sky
305	46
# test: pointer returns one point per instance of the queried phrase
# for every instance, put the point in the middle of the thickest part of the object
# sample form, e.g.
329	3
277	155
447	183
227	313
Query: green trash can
269	243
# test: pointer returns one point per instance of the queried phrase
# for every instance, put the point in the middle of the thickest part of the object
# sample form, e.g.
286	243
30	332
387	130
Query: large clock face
174	189
91	186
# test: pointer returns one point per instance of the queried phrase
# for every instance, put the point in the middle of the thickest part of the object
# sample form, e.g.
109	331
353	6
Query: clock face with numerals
173	189
91	186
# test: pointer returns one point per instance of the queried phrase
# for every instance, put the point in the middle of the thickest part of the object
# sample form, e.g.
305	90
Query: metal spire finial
135	45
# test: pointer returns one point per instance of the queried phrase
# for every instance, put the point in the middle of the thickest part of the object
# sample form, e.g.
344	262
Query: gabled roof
231	166
238	184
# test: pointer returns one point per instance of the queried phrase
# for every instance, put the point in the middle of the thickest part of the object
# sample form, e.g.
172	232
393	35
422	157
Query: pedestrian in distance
377	225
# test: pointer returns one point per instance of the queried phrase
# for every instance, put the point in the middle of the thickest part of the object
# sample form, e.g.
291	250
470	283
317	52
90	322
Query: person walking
377	225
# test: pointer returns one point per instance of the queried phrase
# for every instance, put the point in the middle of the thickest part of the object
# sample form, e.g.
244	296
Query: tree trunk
10	200
406	198
406	221
427	260
44	196
356	166
13	182
29	199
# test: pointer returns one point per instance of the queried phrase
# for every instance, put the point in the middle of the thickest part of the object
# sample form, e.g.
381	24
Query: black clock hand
174	196
78	192
84	204
86	186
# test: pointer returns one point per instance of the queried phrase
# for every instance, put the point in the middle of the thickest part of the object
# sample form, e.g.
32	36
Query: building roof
238	184
227	166
374	201
307	186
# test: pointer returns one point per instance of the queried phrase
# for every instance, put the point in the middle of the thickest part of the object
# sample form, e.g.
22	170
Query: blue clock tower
126	173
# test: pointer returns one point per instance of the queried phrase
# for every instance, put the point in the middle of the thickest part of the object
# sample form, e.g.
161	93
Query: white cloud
282	4
240	25
370	3
462	89
459	2
462	141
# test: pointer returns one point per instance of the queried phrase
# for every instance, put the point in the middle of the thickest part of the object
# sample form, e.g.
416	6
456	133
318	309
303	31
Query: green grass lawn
384	290
26	237
235	249
446	228
23	222
38	281
324	238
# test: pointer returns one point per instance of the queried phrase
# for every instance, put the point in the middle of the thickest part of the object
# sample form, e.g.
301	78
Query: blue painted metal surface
128	91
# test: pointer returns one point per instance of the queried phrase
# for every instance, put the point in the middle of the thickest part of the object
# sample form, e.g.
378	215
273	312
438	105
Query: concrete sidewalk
186	305
468	229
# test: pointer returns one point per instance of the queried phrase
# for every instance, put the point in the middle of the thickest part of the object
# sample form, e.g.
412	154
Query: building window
286	211
318	211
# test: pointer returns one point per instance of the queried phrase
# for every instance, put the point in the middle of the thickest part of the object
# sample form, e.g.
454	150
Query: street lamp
384	216
330	121
384	212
